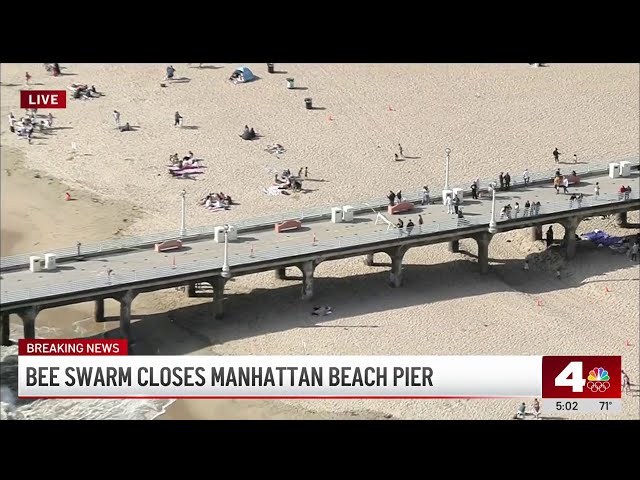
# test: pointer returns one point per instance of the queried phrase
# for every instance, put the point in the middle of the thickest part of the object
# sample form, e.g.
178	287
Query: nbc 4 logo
597	381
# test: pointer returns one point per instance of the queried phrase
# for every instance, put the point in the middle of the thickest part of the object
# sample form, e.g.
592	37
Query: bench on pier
168	246
288	225
400	207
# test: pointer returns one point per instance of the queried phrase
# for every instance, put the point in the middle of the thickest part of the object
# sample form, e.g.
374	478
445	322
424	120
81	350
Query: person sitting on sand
535	409
188	157
173	159
521	410
126	128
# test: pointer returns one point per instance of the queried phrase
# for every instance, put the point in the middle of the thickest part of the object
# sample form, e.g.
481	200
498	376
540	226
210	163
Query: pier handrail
300	249
309	215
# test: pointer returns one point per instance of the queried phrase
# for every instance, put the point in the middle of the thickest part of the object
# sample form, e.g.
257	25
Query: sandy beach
493	117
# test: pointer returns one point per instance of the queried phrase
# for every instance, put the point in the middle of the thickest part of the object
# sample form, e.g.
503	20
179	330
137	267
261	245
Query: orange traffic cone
67	196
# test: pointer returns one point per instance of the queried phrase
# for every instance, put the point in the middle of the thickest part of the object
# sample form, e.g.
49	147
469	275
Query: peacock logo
598	375
598	380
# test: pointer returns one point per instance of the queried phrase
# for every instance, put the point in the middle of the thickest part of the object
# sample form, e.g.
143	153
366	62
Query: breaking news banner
103	369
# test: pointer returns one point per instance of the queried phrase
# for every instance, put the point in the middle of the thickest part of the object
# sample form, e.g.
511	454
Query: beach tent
246	74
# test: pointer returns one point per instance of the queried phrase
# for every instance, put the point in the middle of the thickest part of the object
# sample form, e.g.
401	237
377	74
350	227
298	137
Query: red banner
73	347
43	99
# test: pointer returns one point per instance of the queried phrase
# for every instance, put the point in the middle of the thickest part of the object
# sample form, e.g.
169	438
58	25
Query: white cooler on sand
445	193
458	192
625	169
35	264
347	213
232	234
50	261
336	214
614	170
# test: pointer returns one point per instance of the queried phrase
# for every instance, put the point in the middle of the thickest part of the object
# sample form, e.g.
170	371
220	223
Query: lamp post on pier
493	227
226	272
183	226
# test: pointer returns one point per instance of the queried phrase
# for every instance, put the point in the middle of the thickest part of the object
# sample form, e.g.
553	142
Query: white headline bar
279	376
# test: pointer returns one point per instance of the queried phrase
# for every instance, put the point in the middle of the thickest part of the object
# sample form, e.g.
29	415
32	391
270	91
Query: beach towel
216	209
273	190
602	238
185	171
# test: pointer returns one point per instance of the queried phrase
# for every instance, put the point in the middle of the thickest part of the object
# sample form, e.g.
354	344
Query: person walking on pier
565	185
507	181
392	198
400	226
556	155
474	191
447	202
456	204
626	382
634	252
627	192
579	198
501	180
550	236
526	176
425	195
410	226
527	206
399	196
420	222
596	190
516	210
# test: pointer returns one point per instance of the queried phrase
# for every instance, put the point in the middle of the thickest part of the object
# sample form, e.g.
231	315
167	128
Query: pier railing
243	255
308	215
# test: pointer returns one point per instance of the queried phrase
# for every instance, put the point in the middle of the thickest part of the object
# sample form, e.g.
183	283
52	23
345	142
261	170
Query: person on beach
535	408
170	72
12	120
526	177
116	118
521	410
306	172
550	236
575	158
396	158
27	78
50	118
626	382
177	120
401	153
126	128
596	190
556	155
425	195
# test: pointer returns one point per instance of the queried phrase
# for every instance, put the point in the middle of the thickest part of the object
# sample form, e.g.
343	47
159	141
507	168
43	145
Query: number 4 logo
571	376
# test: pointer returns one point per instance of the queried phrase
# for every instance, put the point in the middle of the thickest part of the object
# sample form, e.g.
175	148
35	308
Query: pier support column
395	275
218	283
125	314
4	330
368	260
307	269
28	316
621	219
570	227
454	246
191	290
281	273
536	233
98	310
483	240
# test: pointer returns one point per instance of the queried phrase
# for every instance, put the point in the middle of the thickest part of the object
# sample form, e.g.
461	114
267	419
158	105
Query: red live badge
43	99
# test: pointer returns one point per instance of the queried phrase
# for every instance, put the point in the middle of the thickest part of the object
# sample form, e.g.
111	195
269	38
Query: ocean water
13	408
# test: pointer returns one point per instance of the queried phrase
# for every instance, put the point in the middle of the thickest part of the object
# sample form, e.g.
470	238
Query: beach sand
494	117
